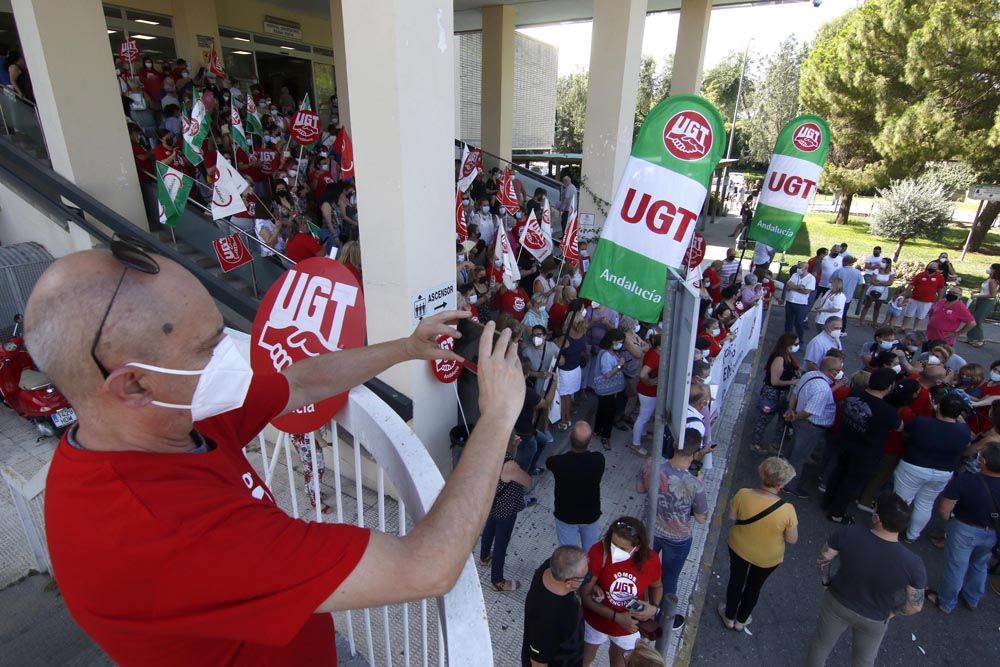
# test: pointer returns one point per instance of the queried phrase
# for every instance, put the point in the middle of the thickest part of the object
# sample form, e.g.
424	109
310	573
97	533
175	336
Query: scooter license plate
64	417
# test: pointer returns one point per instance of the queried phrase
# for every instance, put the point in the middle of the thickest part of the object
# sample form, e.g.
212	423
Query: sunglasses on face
133	254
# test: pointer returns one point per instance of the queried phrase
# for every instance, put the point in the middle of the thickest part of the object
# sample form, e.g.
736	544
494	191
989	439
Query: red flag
506	195
342	144
214	65
461	229
570	249
472	164
534	239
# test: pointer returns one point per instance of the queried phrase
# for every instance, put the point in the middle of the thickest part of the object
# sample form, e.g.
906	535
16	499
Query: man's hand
627	621
501	380
421	343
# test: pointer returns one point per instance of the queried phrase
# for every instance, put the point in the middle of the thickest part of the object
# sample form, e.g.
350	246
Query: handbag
606	386
770	399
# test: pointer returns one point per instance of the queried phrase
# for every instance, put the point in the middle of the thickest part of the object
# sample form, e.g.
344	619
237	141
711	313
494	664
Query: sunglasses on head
625	527
133	254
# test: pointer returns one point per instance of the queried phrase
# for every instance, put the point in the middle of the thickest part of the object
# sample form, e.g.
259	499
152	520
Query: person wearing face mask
646	390
730	269
827	267
166	401
572	358
827	339
877	290
560	309
947	270
781	372
812	410
763	524
798	291
609	385
629	572
830	304
950	318
633	352
536	315
320	177
867	421
485	220
545	282
884	340
712	332
983	303
925	289
152	81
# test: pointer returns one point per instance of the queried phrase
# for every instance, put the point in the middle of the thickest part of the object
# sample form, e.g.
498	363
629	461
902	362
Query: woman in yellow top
763	524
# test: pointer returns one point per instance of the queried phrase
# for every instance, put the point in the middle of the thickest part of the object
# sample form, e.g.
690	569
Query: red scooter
29	392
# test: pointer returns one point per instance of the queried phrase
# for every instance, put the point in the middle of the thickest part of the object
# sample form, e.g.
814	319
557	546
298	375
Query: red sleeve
265	400
596	558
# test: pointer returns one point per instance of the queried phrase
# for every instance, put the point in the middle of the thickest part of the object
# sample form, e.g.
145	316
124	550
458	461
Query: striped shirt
728	270
816	398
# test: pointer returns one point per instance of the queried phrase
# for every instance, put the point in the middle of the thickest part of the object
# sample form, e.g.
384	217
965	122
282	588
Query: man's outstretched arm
427	562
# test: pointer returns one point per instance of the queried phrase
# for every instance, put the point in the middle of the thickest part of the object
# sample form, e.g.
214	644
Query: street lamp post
736	110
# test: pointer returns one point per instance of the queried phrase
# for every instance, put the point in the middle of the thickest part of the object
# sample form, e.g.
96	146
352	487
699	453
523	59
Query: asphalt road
785	618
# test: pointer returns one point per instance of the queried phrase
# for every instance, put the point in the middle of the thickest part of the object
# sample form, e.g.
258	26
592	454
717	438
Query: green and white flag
239	136
656	206
196	128
791	180
253	117
305	104
172	189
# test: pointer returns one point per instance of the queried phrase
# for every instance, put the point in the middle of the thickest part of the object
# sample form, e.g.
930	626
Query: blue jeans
572	534
795	316
672	557
967	555
496	537
527	452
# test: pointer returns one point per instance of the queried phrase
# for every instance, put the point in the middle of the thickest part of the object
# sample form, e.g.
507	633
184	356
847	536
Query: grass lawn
818	231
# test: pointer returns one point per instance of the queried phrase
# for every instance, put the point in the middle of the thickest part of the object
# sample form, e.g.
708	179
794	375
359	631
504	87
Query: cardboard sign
446	370
314	308
305	127
129	51
232	253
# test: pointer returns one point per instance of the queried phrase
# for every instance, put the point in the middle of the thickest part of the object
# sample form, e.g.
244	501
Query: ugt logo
687	135
807	137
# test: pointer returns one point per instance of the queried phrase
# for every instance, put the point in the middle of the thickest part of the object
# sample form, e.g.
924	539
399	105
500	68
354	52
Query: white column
402	97
497	92
72	73
689	56
615	55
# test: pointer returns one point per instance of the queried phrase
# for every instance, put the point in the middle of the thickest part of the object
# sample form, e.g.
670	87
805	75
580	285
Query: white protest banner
746	337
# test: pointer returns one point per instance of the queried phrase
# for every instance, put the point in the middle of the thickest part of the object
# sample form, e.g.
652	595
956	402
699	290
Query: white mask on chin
222	386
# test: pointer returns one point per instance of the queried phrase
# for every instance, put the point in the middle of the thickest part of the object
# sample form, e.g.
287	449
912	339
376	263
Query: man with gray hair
813	411
553	618
826	340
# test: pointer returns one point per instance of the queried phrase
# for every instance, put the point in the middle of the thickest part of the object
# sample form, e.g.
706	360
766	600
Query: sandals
507	585
561	426
638	450
606	444
486	561
728	622
738	627
846	520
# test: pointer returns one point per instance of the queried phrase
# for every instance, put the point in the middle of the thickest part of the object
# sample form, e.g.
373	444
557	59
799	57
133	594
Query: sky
766	25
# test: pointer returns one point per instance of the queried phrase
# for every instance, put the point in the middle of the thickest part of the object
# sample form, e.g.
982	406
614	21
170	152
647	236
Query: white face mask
886	344
716	331
994	376
461	258
933	360
595	304
636	328
617	346
836	333
618	554
485	210
839	375
466	202
794	348
222	385
473	298
897	368
537	340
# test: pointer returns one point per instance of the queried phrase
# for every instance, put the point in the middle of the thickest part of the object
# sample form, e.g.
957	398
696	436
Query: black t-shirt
866	423
973	506
525	424
873	573
553	626
936	444
578	486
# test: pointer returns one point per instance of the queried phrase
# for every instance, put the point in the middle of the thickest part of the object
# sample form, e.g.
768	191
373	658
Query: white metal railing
27	496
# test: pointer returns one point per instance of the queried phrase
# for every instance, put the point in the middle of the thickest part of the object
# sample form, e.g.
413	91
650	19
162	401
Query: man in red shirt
513	302
142	155
303	244
170	549
713	283
926	289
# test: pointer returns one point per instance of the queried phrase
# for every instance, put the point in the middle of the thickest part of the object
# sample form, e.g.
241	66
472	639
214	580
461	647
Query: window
239	64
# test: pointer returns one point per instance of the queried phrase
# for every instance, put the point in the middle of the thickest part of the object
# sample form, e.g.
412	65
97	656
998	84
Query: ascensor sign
791	181
652	217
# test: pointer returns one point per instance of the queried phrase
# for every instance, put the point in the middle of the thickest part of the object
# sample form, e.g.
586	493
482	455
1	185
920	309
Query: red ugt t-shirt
183	559
621	582
926	286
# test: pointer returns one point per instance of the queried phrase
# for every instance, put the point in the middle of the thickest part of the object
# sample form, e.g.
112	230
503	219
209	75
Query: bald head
697	394
154	319
579	437
933	374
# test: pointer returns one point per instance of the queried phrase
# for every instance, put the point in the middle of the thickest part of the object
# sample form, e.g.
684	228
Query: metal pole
736	110
968	239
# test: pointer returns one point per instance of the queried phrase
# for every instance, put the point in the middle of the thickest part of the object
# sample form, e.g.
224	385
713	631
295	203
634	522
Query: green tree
571	112
720	84
654	85
774	101
910	208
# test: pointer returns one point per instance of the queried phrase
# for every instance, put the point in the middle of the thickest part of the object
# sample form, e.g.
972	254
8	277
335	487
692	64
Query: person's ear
130	386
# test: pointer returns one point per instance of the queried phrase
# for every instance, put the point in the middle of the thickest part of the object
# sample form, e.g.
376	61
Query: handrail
11	91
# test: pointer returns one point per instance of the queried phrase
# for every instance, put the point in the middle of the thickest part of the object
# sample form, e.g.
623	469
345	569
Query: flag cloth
172	189
196	128
214	65
656	206
511	274
342	144
239	135
229	185
471	166
506	196
570	248
461	229
791	180
253	117
305	106
534	239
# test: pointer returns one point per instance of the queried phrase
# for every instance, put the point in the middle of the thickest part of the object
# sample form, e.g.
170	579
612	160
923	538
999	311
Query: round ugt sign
446	370
305	127
314	308
695	252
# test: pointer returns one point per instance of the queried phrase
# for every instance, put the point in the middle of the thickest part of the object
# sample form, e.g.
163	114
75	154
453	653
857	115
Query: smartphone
467	346
635	604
